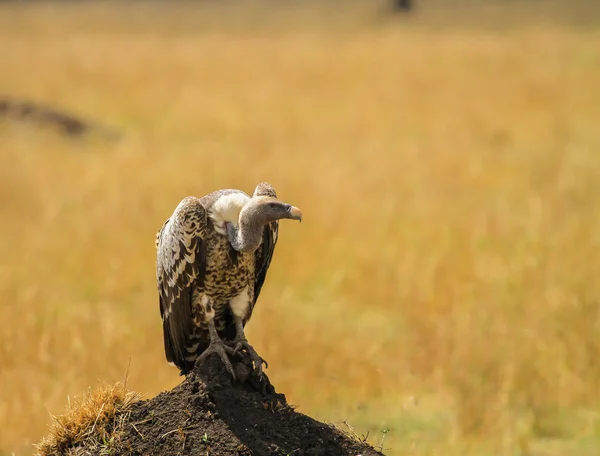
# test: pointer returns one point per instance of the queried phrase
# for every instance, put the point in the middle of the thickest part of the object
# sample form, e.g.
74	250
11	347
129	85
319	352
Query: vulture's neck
248	234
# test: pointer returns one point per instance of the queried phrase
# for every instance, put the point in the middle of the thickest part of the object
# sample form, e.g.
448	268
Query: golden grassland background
444	283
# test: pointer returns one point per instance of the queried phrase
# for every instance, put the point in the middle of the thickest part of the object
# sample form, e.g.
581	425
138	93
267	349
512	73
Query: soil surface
208	415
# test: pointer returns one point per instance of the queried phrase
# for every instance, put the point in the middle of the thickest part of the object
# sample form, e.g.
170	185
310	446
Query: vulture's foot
217	346
220	349
240	343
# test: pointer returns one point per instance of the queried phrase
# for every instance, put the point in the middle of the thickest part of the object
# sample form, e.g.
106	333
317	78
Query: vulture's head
265	209
255	214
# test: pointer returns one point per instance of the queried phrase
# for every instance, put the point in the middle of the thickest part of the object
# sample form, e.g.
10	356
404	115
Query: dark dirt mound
207	415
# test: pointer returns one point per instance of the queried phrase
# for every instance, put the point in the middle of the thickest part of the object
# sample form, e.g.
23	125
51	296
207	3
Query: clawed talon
220	349
217	346
240	342
256	359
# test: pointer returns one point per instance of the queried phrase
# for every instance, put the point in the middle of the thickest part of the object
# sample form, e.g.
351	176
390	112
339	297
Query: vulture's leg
217	346
240	342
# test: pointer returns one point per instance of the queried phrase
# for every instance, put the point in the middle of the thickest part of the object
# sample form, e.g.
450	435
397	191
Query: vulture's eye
272	206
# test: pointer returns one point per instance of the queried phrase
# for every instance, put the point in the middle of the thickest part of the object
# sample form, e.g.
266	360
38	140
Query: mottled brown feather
180	240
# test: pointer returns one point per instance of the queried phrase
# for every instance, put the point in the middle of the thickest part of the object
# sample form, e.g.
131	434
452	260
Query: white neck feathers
227	210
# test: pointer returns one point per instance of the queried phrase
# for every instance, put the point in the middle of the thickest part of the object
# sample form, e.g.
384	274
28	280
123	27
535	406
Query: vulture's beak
295	213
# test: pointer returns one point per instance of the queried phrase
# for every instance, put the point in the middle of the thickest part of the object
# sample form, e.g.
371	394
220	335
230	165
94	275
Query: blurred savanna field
444	282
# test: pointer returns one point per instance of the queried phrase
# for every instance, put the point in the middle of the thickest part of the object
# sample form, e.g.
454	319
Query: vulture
212	258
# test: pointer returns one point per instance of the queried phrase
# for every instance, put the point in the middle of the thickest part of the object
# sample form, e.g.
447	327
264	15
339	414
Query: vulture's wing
263	256
180	266
264	253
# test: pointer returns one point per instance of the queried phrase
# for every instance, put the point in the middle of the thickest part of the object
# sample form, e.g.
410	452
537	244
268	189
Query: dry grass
94	422
444	281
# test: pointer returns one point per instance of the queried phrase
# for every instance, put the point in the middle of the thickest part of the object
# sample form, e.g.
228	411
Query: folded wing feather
180	267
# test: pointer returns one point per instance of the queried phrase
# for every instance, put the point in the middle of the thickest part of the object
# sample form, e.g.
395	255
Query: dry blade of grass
92	423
